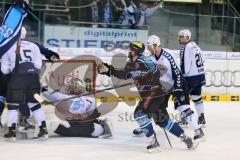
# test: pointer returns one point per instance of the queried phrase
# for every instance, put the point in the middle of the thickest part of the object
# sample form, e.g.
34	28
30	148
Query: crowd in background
107	13
126	13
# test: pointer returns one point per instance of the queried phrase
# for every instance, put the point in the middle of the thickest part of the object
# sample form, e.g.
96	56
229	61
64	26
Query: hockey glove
179	96
105	68
53	57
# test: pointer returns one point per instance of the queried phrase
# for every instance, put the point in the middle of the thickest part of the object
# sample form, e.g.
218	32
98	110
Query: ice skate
152	143
202	121
138	132
43	133
107	126
199	136
25	126
11	135
188	141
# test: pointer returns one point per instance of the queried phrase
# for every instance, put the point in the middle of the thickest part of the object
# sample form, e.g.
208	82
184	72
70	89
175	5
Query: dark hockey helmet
137	46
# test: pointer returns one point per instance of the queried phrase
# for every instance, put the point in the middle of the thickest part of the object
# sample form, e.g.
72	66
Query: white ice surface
222	135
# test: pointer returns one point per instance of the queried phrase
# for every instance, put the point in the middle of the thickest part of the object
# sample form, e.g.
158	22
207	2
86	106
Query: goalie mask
75	86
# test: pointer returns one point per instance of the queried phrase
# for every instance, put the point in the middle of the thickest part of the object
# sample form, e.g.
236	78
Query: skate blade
24	130
105	136
195	145
138	135
157	149
12	139
200	140
43	138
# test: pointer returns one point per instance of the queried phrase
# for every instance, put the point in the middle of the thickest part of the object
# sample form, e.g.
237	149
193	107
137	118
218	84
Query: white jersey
170	74
191	60
30	60
84	105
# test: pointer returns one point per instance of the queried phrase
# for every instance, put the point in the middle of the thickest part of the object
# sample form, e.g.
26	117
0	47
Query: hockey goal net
58	73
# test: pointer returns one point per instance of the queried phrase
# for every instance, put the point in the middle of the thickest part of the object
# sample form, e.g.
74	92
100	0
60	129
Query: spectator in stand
145	12
94	11
128	17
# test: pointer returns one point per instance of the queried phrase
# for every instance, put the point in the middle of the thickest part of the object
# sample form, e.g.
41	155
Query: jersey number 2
199	61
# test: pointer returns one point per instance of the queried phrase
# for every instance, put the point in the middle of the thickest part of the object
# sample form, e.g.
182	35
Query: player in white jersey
192	66
82	106
171	77
23	84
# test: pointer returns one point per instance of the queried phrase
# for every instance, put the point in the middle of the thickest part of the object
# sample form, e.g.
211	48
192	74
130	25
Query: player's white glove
105	68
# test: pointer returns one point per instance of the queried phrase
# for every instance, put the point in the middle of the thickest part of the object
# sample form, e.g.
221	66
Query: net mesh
60	73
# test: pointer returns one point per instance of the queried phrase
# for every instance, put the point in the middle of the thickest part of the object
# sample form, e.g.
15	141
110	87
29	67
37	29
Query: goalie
80	107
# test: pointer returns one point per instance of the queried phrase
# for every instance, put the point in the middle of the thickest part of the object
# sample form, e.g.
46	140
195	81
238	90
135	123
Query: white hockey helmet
153	39
23	33
185	32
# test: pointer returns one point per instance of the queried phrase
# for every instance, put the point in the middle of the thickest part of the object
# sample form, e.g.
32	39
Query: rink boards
222	73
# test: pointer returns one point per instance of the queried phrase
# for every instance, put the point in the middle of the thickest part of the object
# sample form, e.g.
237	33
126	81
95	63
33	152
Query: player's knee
197	99
98	130
12	107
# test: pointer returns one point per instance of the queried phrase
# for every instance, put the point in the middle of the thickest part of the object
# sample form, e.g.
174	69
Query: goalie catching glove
106	69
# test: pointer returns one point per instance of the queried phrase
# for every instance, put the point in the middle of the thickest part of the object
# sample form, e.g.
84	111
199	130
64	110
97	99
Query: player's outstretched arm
49	54
109	70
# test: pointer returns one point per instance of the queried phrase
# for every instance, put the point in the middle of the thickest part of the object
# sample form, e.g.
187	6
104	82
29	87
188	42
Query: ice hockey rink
222	140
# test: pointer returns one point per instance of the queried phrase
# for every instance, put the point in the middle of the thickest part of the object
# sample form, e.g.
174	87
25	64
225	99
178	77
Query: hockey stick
17	55
169	142
42	101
